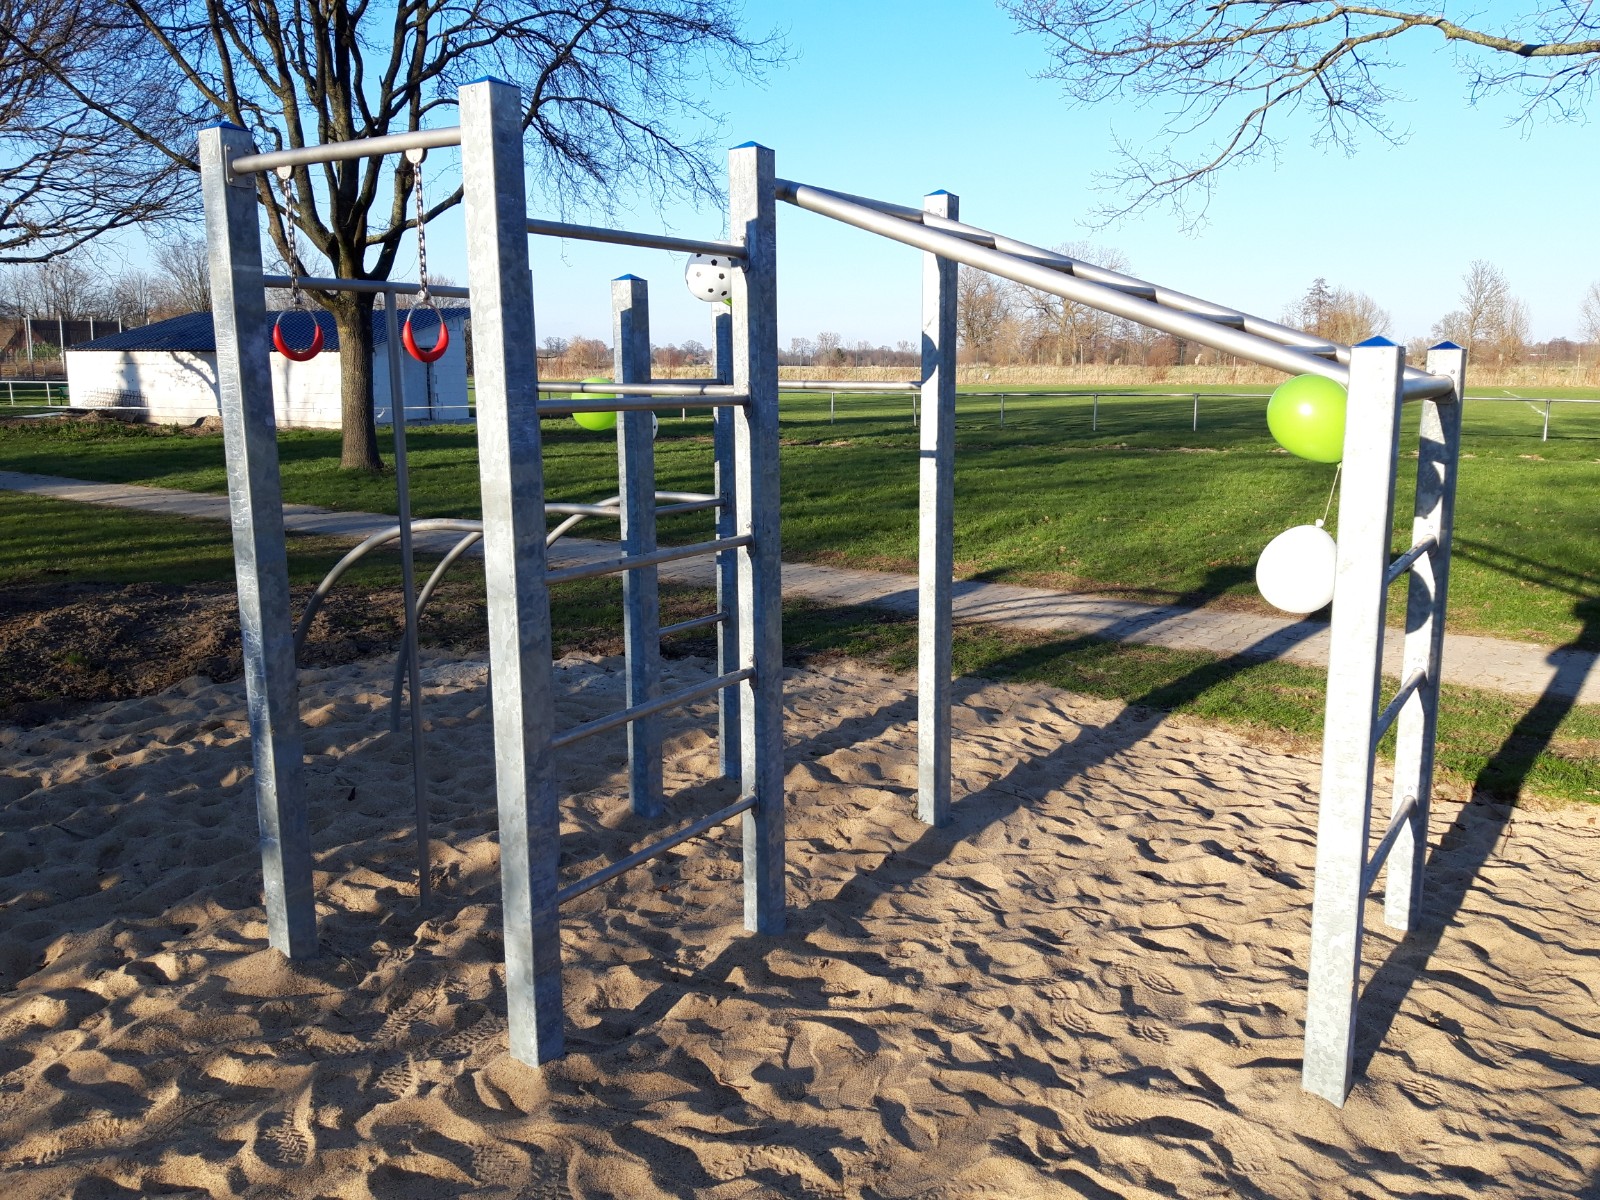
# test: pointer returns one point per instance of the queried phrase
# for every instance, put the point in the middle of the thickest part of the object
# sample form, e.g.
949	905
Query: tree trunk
352	317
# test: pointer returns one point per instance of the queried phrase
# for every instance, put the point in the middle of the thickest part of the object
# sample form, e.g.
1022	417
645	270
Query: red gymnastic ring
310	352
436	351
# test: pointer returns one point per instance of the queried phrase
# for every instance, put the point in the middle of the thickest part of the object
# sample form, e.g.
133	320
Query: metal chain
291	219
424	297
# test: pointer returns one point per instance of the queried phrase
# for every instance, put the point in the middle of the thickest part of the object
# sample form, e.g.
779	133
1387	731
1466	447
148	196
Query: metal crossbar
1380	853
1403	564
629	237
639	857
1392	709
376	286
394	143
1221	328
649	708
652	388
715	618
849	385
633	562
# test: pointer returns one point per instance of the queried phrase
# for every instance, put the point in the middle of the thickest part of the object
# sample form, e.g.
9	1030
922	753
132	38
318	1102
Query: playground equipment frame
745	401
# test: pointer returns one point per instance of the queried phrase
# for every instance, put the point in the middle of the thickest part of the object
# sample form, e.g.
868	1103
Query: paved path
1519	668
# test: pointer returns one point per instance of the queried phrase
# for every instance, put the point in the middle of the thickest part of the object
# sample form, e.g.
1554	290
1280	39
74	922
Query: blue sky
895	98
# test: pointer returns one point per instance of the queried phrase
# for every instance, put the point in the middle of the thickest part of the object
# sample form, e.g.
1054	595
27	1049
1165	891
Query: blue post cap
626	278
750	146
940	192
488	79
1376	341
225	125
1447	344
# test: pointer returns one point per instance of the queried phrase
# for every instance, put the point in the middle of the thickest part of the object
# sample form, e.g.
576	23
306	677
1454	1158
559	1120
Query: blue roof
195	333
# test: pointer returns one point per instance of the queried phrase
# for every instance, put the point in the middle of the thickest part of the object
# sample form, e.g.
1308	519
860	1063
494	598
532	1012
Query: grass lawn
1503	746
1142	507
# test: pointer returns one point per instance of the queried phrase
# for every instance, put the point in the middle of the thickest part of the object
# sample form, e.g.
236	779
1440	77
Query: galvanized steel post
936	474
511	476
641	594
1438	455
727	526
255	503
753	225
1355	659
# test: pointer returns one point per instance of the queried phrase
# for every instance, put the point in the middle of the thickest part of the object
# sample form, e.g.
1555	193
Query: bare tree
983	310
68	287
1234	67
1337	313
1491	322
185	273
1589	312
70	172
614	96
135	298
1071	330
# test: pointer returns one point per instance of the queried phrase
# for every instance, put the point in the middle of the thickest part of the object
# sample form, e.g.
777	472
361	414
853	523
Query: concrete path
1519	668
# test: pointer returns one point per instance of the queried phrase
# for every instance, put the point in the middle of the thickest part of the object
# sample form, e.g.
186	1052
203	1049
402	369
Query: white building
167	372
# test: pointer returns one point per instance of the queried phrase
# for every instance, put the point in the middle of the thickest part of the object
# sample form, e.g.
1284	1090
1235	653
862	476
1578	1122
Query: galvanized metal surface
630	237
1402	564
610	566
317	283
657	387
936	473
1427	594
1200	321
1399	821
1366	502
641	595
573	890
652	707
753	224
394	143
255	503
692	623
849	385
724	474
408	583
511	476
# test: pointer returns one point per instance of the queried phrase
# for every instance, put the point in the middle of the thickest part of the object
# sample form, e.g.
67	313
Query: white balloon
710	277
1295	571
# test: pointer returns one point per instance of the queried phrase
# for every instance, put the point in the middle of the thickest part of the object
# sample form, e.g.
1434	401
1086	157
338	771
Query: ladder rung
1380	852
573	890
1403	564
1387	716
715	618
650	708
633	562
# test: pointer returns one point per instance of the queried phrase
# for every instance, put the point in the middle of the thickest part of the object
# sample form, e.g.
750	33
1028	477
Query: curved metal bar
403	659
356	555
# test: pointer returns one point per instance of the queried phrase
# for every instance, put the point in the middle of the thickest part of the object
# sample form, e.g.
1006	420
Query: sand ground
1090	984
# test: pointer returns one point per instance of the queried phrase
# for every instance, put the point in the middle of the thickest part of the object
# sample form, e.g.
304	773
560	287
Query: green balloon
597	421
1306	416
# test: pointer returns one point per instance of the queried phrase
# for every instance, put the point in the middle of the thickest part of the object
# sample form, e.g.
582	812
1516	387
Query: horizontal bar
628	237
319	284
653	388
848	385
589	882
564	408
1403	564
417	139
715	618
1387	716
1214	325
688	506
1380	852
650	708
610	566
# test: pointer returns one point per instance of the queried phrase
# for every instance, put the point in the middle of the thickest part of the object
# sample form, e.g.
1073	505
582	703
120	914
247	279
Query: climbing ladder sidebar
1356	721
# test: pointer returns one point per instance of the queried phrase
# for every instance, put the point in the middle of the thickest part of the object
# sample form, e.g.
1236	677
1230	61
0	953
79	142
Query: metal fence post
753	224
1094	416
641	594
1545	437
1355	659
255	503
936	472
1195	424
511	474
728	560
1438	454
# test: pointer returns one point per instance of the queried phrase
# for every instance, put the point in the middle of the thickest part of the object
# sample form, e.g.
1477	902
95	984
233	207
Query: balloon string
1328	508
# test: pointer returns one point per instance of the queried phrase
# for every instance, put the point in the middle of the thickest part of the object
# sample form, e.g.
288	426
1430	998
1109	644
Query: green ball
1306	416
599	422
